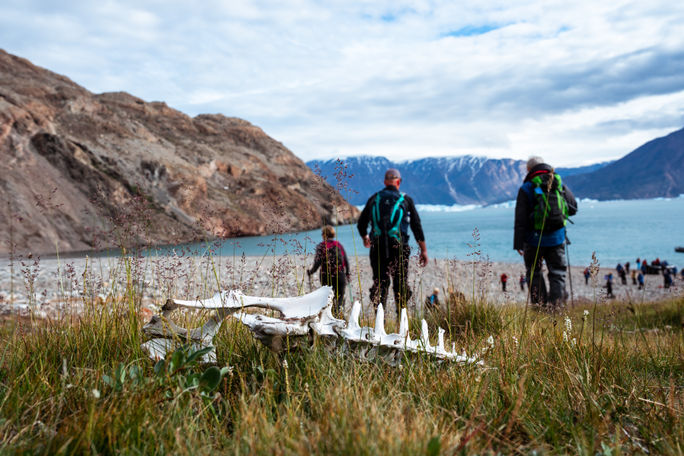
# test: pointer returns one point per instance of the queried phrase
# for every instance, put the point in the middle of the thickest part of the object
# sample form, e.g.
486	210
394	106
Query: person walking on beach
389	213
522	282
609	286
667	277
541	210
621	273
634	281
332	260
640	279
587	274
504	279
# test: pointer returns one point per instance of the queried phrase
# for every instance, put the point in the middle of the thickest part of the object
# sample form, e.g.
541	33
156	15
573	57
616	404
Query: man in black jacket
390	213
540	239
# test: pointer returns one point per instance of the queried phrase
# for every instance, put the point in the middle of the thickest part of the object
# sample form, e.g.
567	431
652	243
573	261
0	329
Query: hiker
634	274
621	273
332	260
522	282
390	213
504	279
609	286
587	274
638	264
667	278
640	279
432	301
541	210
627	268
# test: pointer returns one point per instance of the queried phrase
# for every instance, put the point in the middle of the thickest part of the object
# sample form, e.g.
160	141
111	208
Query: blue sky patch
471	30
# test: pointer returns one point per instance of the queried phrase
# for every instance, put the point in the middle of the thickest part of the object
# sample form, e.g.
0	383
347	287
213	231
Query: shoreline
49	286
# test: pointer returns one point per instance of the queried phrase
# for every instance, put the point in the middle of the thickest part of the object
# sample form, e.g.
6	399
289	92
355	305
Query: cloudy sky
574	81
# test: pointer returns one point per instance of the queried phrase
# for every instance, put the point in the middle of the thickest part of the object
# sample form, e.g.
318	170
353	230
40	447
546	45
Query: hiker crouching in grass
390	213
332	260
541	211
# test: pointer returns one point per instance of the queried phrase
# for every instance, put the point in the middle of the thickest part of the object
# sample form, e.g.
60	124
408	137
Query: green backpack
550	211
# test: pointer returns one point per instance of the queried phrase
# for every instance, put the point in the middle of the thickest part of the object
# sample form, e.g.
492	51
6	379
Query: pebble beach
48	287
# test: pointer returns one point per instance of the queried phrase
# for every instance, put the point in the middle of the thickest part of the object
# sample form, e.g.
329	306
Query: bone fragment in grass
298	317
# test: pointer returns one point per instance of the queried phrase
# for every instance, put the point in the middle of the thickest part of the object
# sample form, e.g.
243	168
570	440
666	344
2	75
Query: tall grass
607	383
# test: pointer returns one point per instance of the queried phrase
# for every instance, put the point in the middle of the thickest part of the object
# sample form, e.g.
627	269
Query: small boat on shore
679	249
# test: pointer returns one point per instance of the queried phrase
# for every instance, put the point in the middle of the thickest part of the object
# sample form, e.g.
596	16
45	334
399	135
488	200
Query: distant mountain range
653	170
444	181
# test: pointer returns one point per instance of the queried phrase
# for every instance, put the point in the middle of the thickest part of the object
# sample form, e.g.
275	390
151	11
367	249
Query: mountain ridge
462	180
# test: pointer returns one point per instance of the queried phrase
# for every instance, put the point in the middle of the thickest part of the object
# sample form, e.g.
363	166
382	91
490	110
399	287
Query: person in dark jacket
390	213
332	260
536	246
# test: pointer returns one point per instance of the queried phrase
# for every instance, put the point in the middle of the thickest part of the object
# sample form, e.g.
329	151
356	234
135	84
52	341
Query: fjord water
617	231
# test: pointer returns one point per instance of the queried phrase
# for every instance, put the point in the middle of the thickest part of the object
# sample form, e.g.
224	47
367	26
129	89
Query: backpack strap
376	216
395	230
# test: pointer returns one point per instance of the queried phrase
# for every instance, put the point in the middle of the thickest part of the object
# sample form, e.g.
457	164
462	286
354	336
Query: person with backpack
332	260
542	209
389	213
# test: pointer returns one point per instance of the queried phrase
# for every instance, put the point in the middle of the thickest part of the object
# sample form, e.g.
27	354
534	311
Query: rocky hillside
81	170
653	170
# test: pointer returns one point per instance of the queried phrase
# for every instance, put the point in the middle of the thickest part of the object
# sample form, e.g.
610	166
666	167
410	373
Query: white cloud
576	82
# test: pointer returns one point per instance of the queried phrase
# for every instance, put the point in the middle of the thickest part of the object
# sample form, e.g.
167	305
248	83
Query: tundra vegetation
597	378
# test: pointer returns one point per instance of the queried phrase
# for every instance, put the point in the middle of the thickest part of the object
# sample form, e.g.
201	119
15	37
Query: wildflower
565	336
285	363
515	340
574	341
96	393
568	324
490	341
586	313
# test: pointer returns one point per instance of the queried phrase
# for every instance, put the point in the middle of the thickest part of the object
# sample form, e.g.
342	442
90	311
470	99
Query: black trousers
390	262
338	282
556	265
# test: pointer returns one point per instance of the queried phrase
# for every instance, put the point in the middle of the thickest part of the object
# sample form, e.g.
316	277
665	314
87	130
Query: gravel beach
47	287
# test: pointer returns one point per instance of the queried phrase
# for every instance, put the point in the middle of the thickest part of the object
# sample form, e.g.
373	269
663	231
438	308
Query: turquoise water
617	231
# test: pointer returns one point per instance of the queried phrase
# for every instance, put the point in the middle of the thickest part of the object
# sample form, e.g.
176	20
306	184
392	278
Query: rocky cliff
80	170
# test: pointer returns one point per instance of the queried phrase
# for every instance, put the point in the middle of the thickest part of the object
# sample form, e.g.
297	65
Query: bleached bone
298	320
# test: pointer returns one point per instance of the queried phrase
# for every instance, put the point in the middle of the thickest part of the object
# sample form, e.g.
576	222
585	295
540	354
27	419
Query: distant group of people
543	206
637	274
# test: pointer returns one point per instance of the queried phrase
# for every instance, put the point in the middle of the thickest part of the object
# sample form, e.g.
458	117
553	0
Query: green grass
612	383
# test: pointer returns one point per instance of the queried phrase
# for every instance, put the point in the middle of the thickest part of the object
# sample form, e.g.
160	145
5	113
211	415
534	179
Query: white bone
380	322
298	317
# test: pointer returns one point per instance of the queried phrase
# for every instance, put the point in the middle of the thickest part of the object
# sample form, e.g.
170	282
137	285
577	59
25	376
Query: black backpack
550	211
387	213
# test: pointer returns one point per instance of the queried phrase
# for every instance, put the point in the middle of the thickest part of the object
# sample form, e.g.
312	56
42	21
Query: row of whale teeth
402	341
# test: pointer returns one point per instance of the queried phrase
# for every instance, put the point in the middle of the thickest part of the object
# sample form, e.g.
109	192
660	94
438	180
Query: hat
392	174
